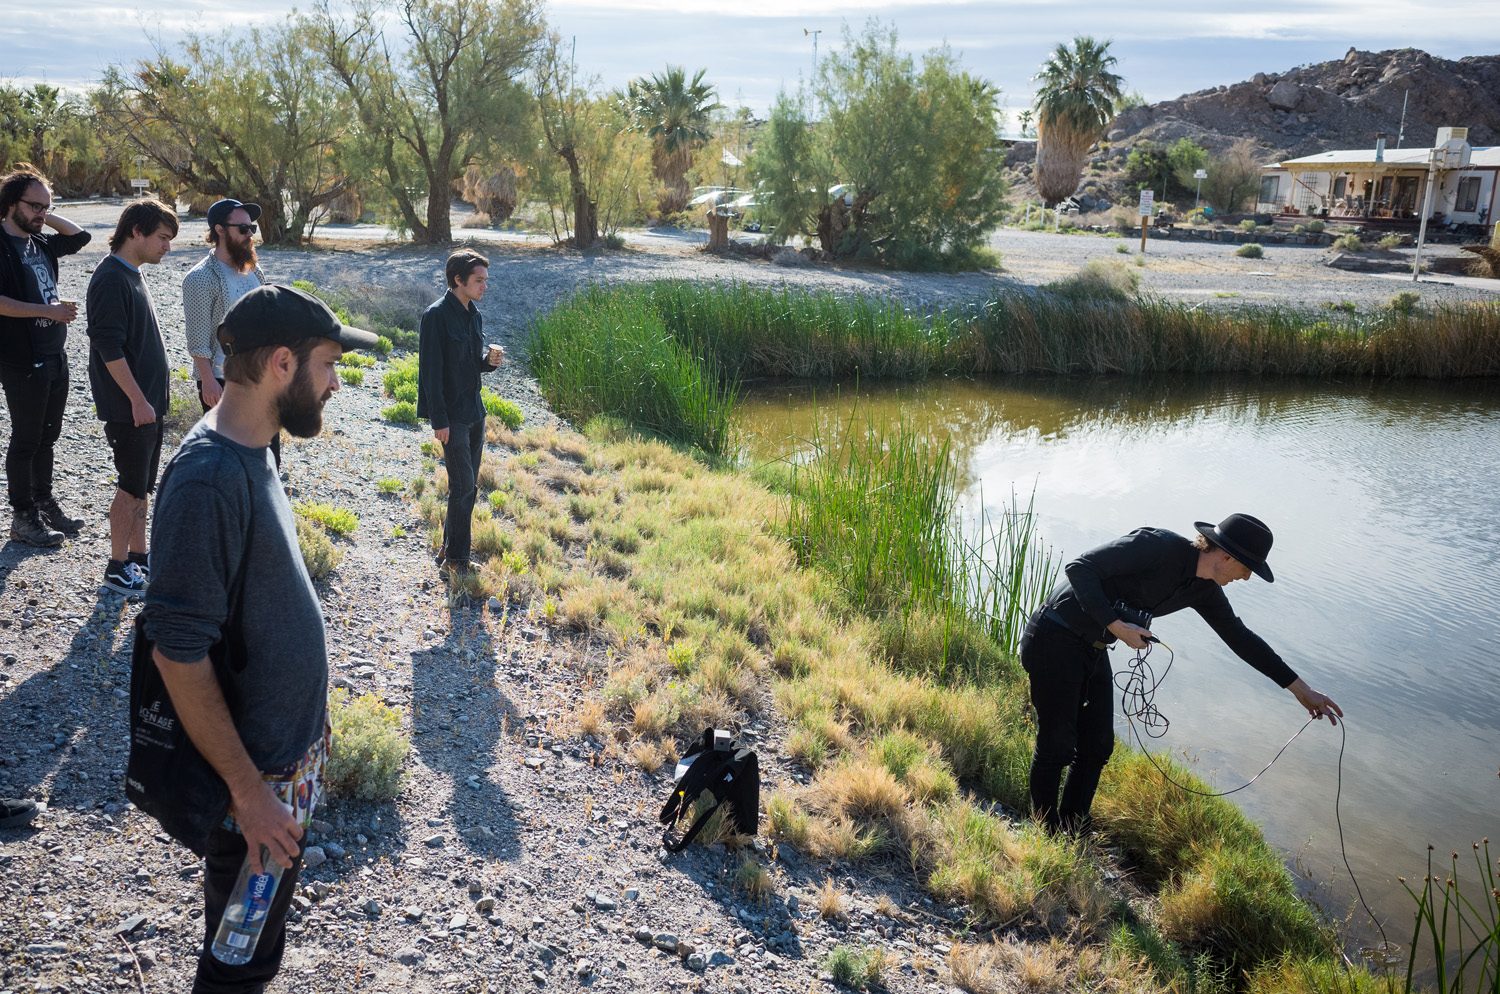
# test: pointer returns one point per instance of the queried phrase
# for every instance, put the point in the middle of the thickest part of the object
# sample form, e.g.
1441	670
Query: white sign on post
1147	197
140	184
1200	174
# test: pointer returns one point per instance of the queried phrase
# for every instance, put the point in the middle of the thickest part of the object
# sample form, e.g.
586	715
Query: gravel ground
515	857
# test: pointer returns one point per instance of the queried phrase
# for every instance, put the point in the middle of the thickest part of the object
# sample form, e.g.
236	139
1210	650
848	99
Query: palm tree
673	113
1074	104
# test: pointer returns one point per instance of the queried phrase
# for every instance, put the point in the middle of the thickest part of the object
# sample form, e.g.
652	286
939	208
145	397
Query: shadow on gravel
459	717
771	920
67	708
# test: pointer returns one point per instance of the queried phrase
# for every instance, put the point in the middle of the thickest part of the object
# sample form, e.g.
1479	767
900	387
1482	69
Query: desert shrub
318	553
403	412
356	360
383	346
352	377
1250	250
1316	226
1391	241
1348	243
508	411
389	485
1248	224
338	520
1100	278
856	968
368	748
1405	302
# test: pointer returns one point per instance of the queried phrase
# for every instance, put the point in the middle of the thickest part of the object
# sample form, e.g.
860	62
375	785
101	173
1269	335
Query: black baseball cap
220	211
283	315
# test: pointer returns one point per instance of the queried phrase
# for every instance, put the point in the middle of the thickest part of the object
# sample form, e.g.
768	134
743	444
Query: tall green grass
879	510
606	353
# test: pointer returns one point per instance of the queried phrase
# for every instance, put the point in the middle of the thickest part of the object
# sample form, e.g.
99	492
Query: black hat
284	315
1243	537
220	211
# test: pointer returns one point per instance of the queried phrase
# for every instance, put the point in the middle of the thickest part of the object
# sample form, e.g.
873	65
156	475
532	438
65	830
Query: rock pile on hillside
1340	104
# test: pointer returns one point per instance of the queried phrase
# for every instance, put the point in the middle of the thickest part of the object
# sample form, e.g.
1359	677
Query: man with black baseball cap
225	552
226	273
1113	592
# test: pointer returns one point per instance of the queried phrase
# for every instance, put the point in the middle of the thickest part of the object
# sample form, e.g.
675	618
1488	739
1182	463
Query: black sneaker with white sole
125	578
142	562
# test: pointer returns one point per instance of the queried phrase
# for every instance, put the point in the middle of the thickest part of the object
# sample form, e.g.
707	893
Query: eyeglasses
39	208
244	229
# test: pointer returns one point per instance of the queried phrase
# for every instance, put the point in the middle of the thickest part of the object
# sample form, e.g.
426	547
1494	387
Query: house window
1468	195
1270	189
1340	187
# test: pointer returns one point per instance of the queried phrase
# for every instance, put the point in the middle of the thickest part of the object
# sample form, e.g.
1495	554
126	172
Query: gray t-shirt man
219	503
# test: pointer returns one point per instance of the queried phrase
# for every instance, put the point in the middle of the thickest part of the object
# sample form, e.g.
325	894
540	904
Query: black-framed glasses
245	229
39	208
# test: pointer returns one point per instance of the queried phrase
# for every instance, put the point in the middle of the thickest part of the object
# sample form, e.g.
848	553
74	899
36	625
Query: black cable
1138	684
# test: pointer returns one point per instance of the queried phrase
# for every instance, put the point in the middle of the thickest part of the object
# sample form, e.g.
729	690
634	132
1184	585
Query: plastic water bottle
245	914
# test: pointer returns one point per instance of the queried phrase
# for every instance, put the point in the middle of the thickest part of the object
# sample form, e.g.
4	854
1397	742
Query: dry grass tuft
831	904
591	720
648	755
862	790
753	880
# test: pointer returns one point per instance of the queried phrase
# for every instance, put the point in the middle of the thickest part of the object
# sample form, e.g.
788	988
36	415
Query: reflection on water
1385	501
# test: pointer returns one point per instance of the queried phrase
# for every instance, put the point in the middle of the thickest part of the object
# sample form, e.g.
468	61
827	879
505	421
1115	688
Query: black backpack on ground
719	764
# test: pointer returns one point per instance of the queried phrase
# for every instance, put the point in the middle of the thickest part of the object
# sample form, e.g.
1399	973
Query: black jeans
37	396
461	454
226	853
1072	690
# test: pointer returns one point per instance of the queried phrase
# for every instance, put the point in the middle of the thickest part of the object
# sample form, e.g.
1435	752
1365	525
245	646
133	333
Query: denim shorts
137	455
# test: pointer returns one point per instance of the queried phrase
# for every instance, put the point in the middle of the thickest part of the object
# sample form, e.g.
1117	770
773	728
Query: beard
300	409
33	226
241	254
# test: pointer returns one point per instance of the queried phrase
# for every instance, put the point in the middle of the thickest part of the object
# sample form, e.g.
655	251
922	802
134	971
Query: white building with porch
1386	188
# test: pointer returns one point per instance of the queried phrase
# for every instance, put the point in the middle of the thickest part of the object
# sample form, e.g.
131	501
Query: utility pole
1401	131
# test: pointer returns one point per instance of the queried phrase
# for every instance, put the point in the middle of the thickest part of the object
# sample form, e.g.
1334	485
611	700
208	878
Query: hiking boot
53	517
17	812
125	578
28	527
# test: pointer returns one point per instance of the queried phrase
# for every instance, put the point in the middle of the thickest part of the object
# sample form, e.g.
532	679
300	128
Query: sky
1165	47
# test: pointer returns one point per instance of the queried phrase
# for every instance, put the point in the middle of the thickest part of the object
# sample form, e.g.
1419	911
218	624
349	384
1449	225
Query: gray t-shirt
219	502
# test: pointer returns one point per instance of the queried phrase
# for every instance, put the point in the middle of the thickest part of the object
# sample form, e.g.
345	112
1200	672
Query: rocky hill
1340	104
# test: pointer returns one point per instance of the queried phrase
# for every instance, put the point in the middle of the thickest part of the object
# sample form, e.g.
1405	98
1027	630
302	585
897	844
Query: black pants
1072	690
37	396
461	455
275	442
226	853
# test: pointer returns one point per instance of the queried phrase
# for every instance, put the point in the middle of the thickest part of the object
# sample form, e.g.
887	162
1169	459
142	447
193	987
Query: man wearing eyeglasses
33	357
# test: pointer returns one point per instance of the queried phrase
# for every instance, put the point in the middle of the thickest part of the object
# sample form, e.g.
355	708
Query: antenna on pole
814	32
1401	131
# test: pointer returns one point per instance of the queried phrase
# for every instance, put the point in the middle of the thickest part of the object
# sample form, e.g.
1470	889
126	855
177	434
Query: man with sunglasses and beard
226	273
227	567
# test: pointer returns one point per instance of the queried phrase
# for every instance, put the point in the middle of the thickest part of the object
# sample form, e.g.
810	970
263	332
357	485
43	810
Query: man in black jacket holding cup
1111	593
452	359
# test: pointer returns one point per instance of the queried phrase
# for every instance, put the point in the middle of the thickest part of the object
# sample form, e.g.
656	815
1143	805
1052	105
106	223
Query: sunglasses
244	229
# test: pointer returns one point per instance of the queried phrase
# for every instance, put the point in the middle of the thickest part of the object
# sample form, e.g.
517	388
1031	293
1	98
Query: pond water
1385	503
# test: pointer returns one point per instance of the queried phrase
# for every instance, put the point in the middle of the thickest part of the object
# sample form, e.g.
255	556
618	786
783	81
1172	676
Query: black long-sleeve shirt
452	358
1154	570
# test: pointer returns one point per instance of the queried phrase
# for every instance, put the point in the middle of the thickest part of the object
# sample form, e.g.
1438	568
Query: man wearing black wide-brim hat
1111	593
